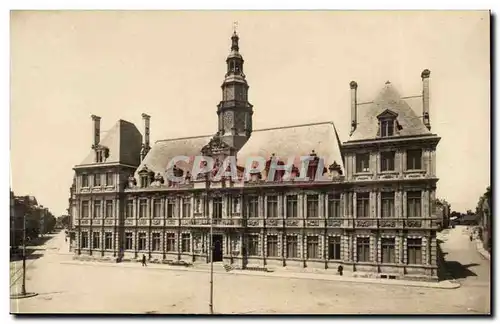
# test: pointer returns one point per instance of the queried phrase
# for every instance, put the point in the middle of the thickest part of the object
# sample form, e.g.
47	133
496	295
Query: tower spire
234	110
234	46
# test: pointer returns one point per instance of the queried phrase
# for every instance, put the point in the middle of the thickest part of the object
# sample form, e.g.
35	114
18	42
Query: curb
436	285
481	250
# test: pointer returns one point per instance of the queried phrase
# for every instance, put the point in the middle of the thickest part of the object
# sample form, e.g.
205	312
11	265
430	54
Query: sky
66	66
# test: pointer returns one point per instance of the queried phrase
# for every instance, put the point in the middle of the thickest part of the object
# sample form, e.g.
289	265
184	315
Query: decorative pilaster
264	206
403	202
225	213
373	248
379	204
354	209
354	252
300	205
425	203
378	247
398	206
398	165
373	204
321	206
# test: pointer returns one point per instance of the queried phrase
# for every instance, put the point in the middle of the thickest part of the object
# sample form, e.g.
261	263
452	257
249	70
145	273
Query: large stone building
373	214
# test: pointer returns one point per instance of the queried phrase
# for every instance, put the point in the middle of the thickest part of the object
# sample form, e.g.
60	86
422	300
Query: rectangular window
98	156
217	207
363	162
110	179
363	249
272	206
334	206
157	208
363	205
186	207
85	240
156	241
85	209
97	209
334	248
109	208
186	242
130	209
313	247
253	245
387	200
129	241
170	208
414	250
312	206
97	180
171	242
85	180
108	240
143	208
386	127
235	205
292	246
291	206
414	204
414	159
387	161
96	240
253	206
144	181
142	242
388	250
272	245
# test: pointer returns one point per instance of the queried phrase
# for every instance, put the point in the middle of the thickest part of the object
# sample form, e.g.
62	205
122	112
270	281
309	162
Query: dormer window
386	128
144	181
387	123
146	176
99	157
101	153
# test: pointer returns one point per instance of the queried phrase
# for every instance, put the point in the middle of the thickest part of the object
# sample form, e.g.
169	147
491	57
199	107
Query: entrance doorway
217	252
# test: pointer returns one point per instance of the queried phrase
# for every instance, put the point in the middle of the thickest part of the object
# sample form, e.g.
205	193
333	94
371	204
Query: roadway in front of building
65	288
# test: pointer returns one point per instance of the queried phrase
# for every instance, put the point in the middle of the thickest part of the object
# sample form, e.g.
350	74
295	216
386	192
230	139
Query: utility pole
211	247
23	287
23	293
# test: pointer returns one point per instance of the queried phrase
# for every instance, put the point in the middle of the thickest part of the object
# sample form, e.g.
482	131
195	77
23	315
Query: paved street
69	288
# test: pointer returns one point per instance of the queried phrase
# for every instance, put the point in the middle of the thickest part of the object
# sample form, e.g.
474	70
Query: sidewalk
292	275
481	250
478	243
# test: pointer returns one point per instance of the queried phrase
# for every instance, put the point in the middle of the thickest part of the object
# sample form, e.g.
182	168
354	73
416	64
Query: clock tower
234	111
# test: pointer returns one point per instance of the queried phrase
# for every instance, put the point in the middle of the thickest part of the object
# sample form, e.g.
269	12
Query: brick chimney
425	97
145	146
96	130
354	119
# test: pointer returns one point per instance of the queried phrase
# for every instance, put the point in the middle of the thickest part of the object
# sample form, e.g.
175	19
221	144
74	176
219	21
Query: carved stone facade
373	214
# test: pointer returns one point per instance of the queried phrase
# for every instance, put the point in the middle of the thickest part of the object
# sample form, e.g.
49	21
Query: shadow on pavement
460	271
40	240
449	270
29	256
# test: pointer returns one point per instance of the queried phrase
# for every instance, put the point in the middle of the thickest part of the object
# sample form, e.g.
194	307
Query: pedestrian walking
144	260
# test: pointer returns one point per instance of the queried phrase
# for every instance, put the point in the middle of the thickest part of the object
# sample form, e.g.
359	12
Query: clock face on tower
228	119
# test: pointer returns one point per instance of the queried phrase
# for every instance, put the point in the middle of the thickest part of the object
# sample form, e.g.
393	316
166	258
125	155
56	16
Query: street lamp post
23	293
23	287
211	247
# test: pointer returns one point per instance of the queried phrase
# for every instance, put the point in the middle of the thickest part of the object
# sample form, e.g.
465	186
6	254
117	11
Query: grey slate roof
408	116
284	142
124	143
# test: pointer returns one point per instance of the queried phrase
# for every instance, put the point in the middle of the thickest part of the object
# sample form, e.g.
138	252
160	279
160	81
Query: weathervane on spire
235	27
